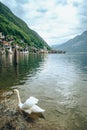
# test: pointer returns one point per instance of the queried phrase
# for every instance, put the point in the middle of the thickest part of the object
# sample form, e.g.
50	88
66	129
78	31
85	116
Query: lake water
58	80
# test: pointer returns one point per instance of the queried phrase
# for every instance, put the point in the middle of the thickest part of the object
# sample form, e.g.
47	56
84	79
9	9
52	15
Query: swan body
29	105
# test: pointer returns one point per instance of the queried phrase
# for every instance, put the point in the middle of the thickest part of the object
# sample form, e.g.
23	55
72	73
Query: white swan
29	105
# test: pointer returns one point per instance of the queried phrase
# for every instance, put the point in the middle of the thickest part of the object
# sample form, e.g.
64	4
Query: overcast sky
56	21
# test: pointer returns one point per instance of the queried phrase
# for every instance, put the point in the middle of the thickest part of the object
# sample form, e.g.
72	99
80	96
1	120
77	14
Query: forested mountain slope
12	25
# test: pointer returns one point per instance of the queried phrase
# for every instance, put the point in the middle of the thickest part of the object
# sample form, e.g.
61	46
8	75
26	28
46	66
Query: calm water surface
59	81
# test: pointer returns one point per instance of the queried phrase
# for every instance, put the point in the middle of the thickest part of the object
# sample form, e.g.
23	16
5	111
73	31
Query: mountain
14	26
77	44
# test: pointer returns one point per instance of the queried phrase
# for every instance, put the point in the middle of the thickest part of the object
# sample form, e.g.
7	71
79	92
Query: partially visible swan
29	105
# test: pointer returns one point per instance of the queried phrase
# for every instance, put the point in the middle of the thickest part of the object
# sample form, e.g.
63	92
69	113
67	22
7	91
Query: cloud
56	20
42	10
82	16
21	1
61	2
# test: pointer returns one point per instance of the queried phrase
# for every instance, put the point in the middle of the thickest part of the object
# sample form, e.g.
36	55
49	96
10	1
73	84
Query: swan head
16	90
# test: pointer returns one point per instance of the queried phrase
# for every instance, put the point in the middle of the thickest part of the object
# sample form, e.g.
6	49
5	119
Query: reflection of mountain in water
79	60
12	75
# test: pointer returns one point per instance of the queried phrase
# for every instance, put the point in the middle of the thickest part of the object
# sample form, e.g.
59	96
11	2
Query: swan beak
13	91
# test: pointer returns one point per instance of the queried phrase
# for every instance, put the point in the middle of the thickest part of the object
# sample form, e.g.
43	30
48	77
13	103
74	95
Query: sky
56	21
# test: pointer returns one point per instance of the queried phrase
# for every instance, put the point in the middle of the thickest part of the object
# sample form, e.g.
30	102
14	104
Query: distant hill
77	44
12	25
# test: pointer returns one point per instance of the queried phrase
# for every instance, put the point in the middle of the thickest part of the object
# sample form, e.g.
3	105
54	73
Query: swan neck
19	100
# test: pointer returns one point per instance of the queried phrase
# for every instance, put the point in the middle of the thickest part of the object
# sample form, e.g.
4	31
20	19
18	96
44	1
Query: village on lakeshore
8	44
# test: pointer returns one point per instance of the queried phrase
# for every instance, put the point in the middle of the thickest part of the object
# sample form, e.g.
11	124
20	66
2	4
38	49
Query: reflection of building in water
2	60
6	60
10	58
23	58
15	56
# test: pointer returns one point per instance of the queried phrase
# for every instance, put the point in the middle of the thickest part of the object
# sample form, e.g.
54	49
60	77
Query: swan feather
34	109
30	102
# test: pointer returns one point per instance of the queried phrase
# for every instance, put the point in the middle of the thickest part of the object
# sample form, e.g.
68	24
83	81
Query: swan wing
36	109
34	99
30	102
